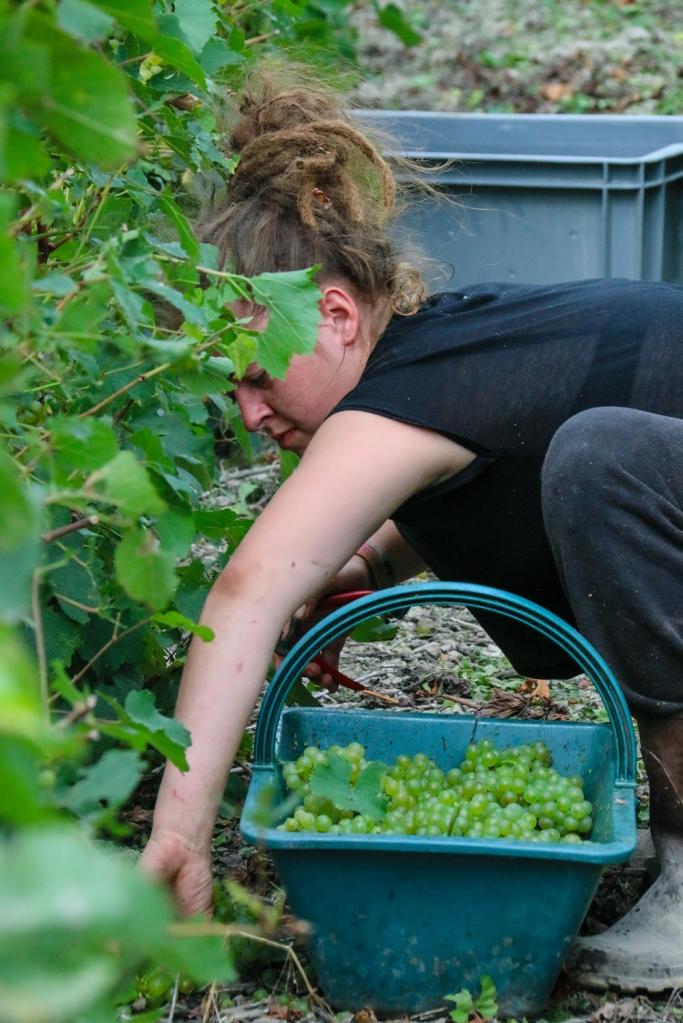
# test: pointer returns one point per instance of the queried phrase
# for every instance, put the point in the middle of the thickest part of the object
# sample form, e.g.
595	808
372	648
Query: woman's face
292	409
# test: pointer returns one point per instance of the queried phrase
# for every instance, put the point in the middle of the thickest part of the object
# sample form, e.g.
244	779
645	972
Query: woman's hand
171	859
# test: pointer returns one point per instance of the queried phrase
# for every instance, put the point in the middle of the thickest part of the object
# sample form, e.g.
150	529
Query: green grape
315	755
478	805
402	798
581	809
390	785
155	985
354	751
304	766
541	753
305	818
513	811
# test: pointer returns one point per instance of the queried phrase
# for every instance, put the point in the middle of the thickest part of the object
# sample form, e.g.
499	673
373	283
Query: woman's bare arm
405	562
356	471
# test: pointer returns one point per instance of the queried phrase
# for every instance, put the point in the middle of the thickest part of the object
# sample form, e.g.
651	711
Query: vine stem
115	637
262	38
92	219
140	379
40	639
72	527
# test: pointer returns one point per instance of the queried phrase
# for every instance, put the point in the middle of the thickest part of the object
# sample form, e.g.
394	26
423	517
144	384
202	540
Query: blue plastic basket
400	921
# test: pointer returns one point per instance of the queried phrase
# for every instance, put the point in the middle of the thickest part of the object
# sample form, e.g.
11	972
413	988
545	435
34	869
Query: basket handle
470	595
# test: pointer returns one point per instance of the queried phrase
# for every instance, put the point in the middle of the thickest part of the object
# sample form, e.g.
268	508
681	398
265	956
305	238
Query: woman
524	437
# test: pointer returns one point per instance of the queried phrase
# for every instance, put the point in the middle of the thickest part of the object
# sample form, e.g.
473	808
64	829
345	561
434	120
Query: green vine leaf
83	20
86	106
19	541
57	955
294	315
105	785
333	781
197	20
177	621
126	484
166	734
135	15
143	570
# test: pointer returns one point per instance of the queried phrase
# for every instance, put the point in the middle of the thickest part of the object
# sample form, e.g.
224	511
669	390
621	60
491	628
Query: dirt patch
549	56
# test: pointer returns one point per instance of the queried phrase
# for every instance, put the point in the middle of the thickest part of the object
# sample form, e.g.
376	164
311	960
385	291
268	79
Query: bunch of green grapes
317	813
513	793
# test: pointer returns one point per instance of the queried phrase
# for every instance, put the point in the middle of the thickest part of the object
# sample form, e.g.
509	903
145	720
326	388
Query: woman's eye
260	380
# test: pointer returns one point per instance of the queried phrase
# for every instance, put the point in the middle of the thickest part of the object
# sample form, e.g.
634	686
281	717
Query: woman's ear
341	312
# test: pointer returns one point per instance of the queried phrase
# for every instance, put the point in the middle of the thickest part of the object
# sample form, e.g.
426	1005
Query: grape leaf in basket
333	781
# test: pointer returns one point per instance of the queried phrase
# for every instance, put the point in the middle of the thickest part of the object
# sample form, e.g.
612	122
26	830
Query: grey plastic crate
545	198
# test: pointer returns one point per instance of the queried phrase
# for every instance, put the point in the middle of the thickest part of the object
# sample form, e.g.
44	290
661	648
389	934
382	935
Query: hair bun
294	137
311	187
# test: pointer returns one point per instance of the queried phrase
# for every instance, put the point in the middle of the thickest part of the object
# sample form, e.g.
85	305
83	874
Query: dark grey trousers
613	510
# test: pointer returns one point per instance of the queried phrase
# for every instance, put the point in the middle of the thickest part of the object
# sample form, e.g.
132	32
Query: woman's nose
254	409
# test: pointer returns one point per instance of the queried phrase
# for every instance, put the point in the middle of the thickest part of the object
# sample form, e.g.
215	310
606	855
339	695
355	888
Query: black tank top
499	368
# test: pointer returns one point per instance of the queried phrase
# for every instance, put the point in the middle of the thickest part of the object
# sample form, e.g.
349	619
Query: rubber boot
644	950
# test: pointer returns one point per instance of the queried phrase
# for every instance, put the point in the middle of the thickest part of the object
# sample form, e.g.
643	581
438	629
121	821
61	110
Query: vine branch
115	637
71	527
40	638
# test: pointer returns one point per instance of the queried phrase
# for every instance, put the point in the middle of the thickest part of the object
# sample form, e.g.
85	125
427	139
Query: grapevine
512	793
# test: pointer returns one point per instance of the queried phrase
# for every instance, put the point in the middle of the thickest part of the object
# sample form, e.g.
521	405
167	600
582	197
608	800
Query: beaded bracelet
379	566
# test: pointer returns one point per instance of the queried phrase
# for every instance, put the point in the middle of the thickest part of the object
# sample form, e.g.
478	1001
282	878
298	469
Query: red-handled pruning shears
297	628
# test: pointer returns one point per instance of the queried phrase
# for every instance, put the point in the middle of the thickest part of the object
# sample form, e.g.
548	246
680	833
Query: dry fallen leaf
537	688
506	705
557	91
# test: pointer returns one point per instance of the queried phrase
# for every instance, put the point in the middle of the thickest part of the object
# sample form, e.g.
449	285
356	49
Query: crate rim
384	117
